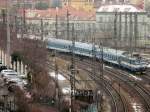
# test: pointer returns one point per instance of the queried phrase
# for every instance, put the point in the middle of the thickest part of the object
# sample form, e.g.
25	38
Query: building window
100	19
127	9
116	9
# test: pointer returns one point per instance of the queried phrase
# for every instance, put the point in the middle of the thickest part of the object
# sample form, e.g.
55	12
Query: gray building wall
129	26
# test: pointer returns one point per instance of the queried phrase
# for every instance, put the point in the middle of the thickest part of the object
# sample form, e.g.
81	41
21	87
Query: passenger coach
109	55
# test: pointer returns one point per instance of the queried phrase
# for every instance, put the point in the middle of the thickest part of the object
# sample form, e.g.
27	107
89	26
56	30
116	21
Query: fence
91	108
7	104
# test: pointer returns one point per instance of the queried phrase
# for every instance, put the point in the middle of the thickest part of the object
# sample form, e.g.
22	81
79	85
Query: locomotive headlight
148	66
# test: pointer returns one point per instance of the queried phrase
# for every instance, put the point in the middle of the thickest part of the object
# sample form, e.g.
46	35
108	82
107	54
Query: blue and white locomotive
109	55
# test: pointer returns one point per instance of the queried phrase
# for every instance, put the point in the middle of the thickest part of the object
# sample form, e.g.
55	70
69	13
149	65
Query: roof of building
2	3
50	13
119	8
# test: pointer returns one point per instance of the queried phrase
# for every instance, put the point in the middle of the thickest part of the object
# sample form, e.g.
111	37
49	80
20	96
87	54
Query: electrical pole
72	76
24	16
67	24
3	26
42	37
135	30
101	71
126	29
93	53
56	66
120	28
131	34
94	62
115	32
115	29
8	33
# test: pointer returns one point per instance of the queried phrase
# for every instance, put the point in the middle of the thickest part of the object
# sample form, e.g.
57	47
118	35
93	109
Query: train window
124	59
115	57
108	56
111	57
104	55
133	61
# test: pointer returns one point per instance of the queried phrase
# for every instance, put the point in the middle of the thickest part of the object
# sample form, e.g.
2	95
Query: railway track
119	101
142	92
63	72
122	104
147	75
123	77
109	90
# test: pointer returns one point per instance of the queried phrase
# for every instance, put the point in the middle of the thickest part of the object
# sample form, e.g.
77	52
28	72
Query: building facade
87	5
126	23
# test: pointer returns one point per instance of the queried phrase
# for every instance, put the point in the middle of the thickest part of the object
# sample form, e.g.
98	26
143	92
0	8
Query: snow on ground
60	76
66	89
148	66
135	77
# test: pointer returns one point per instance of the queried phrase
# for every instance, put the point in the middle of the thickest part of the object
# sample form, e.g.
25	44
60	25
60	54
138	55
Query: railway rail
119	101
123	77
109	90
122	104
63	72
142	92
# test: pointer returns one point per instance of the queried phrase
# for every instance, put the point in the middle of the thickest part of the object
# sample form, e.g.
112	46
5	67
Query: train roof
87	46
54	40
114	51
67	42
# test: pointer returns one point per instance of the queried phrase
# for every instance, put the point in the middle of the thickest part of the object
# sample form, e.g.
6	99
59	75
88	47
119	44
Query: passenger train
109	55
